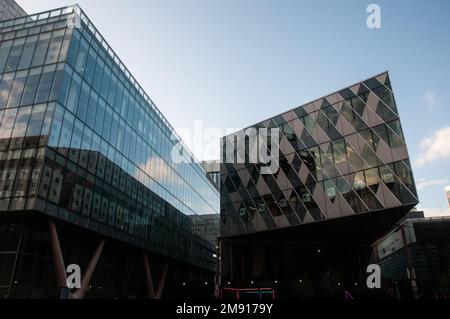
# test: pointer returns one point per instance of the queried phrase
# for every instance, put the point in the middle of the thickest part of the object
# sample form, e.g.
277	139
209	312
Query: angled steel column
79	293
60	269
16	259
148	275
162	281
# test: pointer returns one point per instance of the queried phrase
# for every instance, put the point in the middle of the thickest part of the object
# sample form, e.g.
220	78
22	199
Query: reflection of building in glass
207	227
212	169
447	194
86	172
10	9
344	178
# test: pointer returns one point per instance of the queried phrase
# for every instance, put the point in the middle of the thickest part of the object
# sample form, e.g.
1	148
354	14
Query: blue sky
233	63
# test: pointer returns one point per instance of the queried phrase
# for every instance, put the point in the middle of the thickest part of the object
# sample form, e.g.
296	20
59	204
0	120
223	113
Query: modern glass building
344	178
87	170
10	9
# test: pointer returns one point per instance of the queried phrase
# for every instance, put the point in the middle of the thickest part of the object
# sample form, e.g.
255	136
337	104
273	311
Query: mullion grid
255	184
114	110
316	181
331	141
387	165
365	142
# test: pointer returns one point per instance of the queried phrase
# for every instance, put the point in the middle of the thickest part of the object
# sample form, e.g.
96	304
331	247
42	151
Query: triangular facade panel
337	140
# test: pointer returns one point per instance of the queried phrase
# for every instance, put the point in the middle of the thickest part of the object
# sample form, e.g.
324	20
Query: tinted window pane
83	101
395	134
92	109
14	55
77	135
105	83
45	84
36	120
63	91
31	86
354	159
8	123
57	82
90	66
17	89
72	54
380	133
99	117
66	131
48	119
41	49
115	129
339	151
107	123
56	125
55	46
23	116
372	179
98	75
5	87
65	45
5	47
81	56
74	92
28	50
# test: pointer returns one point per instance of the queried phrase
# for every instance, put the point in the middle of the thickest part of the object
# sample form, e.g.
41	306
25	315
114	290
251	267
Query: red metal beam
60	269
61	276
162	281
148	275
79	293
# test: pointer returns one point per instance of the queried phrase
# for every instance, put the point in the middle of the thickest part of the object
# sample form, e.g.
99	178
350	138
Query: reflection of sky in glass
151	169
214	60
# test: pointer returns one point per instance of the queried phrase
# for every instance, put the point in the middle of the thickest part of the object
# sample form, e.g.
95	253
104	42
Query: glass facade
80	140
341	155
10	9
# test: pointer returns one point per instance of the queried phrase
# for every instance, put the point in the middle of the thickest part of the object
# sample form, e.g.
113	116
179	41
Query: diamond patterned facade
341	155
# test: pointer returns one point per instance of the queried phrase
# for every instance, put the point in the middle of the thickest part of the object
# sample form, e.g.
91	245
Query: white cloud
435	147
436	212
422	183
430	100
159	170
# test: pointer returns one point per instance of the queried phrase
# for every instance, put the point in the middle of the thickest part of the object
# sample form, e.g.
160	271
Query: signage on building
390	245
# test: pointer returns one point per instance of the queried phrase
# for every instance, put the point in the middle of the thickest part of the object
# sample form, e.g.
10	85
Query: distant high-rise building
10	9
